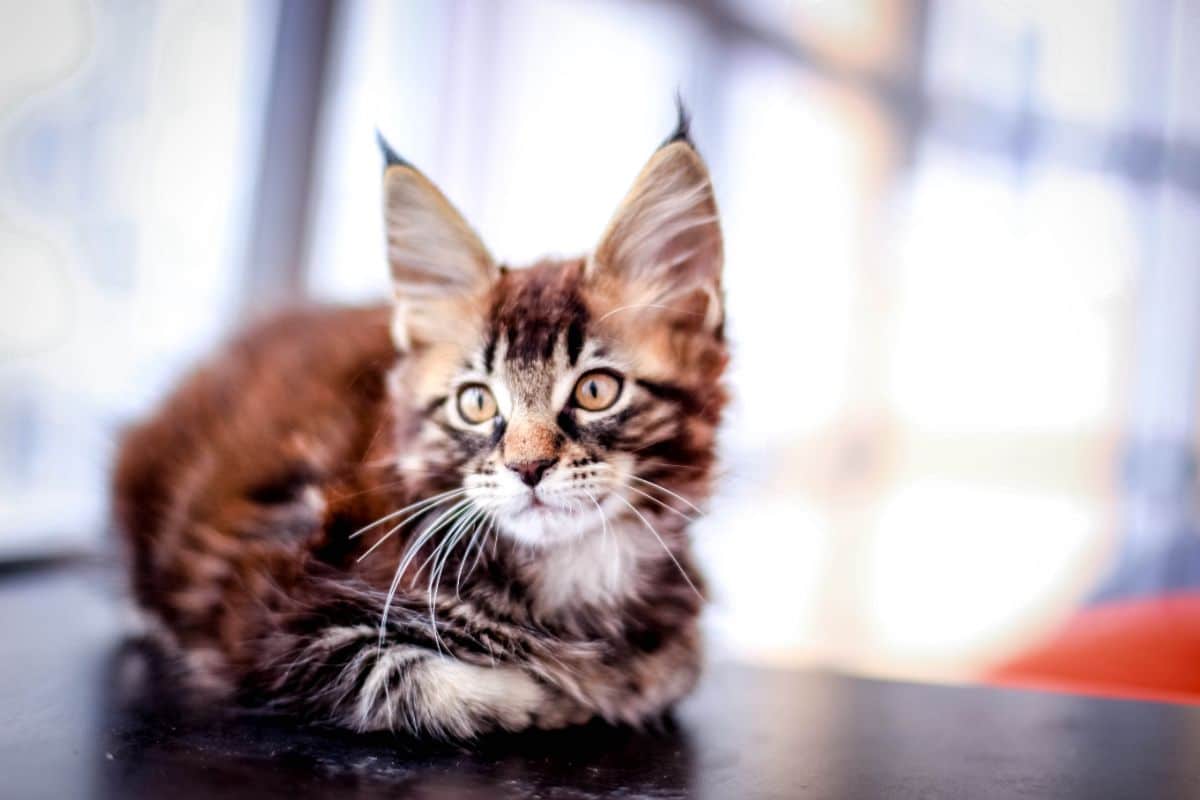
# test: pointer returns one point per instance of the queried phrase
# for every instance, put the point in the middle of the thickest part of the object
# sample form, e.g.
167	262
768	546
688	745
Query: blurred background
963	268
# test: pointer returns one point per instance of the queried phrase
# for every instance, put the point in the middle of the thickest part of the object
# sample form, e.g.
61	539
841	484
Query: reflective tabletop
90	713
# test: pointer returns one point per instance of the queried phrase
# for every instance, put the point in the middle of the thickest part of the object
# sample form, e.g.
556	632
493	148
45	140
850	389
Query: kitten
466	511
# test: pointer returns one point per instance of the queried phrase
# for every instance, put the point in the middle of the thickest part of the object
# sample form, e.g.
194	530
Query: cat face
571	392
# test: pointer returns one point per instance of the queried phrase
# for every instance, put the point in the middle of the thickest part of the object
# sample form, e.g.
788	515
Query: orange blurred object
1147	649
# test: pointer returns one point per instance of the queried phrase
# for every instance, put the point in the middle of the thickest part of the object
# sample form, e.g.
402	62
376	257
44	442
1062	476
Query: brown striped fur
241	497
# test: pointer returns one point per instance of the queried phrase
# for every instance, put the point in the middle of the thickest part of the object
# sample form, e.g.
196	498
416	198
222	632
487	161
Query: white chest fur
598	568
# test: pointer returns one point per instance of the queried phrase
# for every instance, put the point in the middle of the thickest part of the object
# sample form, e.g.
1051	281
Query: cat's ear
440	268
662	252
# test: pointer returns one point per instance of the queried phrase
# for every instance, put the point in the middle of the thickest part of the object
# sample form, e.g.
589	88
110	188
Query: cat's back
287	403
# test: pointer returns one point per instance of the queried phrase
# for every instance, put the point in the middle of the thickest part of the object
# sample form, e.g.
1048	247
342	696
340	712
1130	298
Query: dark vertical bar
278	232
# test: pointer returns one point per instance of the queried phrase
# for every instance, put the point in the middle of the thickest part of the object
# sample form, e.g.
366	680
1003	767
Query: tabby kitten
463	512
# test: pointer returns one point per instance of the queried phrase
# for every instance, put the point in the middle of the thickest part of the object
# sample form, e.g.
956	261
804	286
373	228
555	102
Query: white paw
462	694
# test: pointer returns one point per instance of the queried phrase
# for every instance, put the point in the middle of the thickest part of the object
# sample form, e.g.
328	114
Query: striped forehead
537	328
536	312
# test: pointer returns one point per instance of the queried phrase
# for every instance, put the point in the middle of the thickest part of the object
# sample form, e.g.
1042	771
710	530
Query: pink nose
531	472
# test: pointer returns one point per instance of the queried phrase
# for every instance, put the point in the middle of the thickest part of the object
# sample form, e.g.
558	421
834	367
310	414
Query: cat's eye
476	403
597	390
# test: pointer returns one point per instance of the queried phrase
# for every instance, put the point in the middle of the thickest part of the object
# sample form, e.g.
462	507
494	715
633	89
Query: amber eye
476	403
597	390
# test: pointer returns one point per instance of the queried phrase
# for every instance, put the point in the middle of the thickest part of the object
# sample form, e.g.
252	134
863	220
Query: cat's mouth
549	512
543	512
537	505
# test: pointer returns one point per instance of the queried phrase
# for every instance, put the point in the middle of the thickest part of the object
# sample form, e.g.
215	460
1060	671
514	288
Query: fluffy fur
320	528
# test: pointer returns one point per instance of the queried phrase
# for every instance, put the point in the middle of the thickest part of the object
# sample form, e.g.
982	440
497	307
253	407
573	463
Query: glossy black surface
85	714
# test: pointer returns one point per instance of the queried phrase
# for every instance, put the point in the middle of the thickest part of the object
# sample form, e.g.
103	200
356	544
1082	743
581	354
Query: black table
85	713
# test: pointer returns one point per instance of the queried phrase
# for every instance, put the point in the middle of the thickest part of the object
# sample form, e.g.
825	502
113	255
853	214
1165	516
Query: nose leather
531	472
531	446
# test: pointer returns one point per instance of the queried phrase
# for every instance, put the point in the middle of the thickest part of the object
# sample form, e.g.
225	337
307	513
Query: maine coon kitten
463	512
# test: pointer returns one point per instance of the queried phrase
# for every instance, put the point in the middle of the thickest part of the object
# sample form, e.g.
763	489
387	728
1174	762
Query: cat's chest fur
603	568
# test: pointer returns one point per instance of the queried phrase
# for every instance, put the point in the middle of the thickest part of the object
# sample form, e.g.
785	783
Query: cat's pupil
592	389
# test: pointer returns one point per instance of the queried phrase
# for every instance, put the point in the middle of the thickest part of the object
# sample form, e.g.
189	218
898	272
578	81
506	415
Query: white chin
543	526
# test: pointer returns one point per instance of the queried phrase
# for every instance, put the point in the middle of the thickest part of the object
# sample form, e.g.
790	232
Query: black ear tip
683	125
390	158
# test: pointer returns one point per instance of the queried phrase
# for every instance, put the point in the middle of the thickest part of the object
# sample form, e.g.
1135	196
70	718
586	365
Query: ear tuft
390	158
683	125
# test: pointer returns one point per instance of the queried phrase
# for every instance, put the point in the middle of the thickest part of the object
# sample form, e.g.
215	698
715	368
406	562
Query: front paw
506	698
470	699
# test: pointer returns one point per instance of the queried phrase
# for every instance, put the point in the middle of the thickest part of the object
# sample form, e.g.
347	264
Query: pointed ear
440	269
662	253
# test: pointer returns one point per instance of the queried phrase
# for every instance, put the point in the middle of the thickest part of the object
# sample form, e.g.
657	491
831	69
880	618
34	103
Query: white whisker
446	546
679	497
491	529
648	305
656	464
392	515
666	549
409	555
462	562
391	531
654	499
608	535
478	536
448	519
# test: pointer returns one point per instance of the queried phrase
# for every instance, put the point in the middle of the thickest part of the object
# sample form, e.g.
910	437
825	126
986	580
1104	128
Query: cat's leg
345	673
405	687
